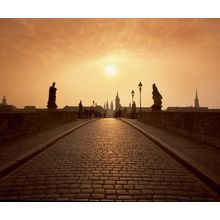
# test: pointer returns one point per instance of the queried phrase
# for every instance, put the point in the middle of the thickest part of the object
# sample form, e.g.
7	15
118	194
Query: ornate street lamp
132	93
140	87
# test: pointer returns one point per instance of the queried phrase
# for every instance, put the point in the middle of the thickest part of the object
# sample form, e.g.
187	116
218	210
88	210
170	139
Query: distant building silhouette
196	102
30	108
111	106
187	109
71	108
107	106
195	108
4	101
4	107
109	112
7	108
117	103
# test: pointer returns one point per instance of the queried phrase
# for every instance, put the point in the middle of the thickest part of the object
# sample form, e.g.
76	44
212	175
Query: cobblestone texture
11	150
106	160
202	153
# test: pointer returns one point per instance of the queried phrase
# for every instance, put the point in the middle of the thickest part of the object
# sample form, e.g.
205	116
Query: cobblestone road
106	160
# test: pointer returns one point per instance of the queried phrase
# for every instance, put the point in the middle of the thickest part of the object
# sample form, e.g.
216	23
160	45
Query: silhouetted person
133	113
80	113
119	113
116	114
157	99
86	113
51	104
90	113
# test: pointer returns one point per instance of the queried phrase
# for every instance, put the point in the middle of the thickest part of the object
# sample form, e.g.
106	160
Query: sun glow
111	70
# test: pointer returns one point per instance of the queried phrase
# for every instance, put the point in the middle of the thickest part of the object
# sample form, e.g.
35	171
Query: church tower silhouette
111	106
107	105
117	103
196	102
4	101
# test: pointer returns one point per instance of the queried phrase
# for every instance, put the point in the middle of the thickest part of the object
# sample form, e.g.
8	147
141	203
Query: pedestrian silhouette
80	113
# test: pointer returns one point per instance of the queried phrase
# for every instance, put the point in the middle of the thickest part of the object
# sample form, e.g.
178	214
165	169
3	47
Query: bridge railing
17	124
202	126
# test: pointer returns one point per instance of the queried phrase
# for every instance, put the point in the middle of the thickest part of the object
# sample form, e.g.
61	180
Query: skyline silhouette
93	58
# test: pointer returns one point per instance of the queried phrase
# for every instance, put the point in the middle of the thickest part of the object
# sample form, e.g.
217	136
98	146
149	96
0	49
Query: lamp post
132	93
140	87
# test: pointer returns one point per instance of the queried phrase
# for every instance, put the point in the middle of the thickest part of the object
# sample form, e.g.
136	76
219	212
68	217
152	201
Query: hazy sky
179	55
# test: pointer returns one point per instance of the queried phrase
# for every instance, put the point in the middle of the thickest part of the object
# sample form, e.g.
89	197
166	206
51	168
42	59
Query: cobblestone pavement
202	153
12	150
106	160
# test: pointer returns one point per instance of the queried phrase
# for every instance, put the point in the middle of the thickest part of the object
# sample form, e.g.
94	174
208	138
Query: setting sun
110	70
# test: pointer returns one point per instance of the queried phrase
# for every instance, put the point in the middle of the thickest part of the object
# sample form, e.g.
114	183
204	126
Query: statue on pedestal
51	104
157	99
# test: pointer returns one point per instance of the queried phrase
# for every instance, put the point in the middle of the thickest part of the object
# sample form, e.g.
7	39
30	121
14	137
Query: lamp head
140	86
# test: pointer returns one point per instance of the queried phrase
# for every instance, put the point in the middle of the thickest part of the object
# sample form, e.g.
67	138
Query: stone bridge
108	160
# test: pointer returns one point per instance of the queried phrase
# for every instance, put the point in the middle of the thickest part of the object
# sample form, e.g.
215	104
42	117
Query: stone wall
17	124
202	126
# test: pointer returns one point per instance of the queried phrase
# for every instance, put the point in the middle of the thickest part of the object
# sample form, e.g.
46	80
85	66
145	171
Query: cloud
45	39
44	43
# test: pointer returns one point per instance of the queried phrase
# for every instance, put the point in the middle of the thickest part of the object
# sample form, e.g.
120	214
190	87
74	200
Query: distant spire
196	102
112	105
117	102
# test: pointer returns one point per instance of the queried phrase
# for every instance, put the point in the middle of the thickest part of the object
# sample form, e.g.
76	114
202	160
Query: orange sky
179	55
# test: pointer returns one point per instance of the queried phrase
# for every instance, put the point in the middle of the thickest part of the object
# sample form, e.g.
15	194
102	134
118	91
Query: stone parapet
201	126
17	124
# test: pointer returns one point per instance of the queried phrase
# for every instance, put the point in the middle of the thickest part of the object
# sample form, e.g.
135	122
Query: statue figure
51	104
157	99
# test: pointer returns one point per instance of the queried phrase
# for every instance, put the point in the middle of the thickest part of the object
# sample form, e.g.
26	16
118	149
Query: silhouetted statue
80	114
157	99
51	104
